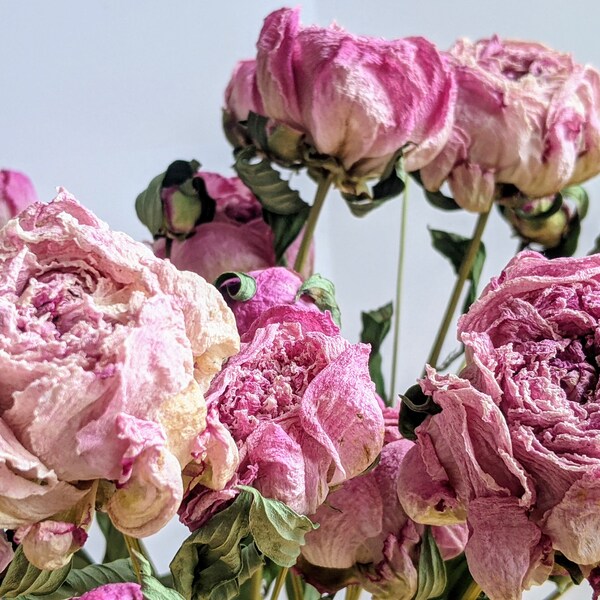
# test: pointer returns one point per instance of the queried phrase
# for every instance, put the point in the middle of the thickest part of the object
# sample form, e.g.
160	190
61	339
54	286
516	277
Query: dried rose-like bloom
236	239
526	115
356	99
16	193
114	591
274	286
295	412
105	354
365	537
516	447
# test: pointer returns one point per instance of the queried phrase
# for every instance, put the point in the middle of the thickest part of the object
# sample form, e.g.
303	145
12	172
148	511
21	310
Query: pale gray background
100	96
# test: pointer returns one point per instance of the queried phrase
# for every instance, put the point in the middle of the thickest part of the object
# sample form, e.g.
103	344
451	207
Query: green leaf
431	570
266	184
580	197
80	581
23	578
376	324
115	542
393	179
277	530
216	559
454	247
241	290
152	588
285	229
148	206
414	409
322	291
436	199
362	204
257	129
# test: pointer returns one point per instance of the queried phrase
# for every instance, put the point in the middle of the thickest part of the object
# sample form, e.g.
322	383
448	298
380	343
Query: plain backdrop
101	96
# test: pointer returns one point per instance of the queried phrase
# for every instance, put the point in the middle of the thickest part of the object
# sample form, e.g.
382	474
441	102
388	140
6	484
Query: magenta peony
526	115
294	413
114	591
16	193
365	537
105	355
356	99
516	446
274	286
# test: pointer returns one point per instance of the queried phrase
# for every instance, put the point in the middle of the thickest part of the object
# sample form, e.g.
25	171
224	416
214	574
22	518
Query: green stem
353	592
297	591
559	593
398	298
279	583
256	584
473	592
311	222
133	546
463	275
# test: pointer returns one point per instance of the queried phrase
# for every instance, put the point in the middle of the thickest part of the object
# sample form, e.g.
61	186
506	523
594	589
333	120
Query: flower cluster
134	387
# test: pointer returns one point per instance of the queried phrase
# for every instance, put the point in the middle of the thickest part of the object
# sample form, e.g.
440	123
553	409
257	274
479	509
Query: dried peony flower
16	193
516	446
526	115
356	99
365	537
114	591
274	286
105	355
236	239
295	413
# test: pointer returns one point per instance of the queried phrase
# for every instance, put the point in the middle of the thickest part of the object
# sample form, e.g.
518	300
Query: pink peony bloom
114	591
356	99
237	239
16	193
105	355
274	286
295	412
516	447
365	537
526	115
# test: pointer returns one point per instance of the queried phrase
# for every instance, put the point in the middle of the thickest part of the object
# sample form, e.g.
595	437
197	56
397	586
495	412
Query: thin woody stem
559	593
473	592
398	298
256	584
463	275
133	546
279	583
311	223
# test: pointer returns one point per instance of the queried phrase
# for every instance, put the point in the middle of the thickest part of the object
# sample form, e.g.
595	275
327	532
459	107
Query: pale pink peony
365	537
526	115
516	447
295	412
276	285
356	99
105	355
114	591
237	239
16	193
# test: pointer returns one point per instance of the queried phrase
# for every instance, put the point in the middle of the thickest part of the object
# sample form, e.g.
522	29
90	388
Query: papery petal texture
301	408
105	353
516	447
16	193
526	115
356	99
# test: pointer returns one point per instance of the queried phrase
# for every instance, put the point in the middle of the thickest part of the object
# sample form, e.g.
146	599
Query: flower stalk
256	584
463	275
311	223
279	581
398	298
